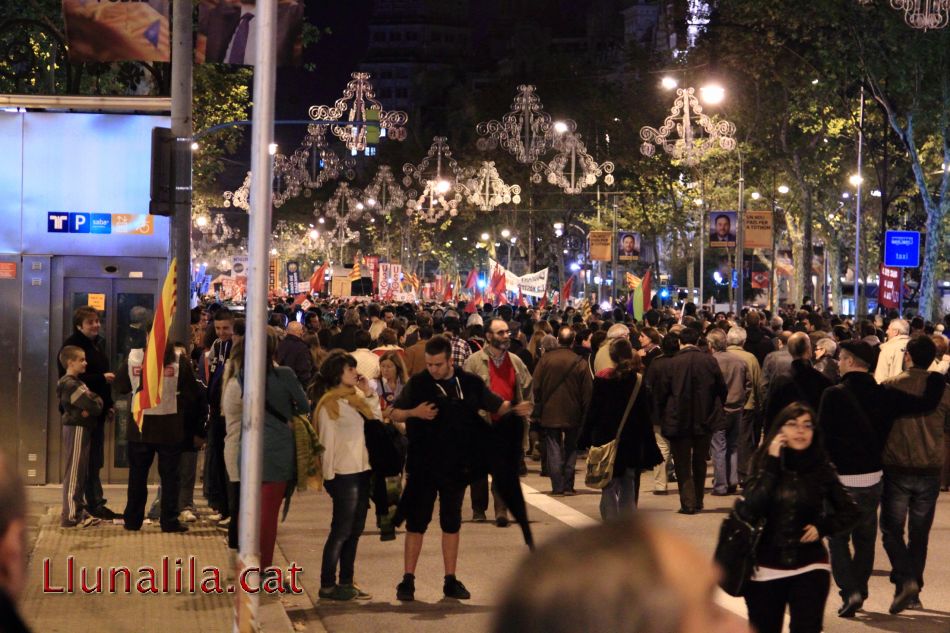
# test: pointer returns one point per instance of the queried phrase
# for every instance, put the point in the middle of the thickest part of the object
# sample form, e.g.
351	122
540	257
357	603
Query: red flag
449	291
470	307
472	280
300	299
502	299
520	297
566	290
544	302
317	281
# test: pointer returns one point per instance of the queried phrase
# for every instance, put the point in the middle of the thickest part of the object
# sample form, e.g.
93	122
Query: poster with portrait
117	31
722	229
628	246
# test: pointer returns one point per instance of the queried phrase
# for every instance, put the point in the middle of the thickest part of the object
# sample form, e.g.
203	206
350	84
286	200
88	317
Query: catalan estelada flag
356	274
153	364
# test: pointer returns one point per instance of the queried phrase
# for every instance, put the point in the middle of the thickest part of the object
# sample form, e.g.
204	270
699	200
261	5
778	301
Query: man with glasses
440	407
856	418
507	377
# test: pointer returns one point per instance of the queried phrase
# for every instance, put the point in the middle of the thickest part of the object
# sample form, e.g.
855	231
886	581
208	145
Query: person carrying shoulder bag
791	488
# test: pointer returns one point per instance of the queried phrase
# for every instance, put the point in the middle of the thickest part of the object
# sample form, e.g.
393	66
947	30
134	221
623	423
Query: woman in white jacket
347	399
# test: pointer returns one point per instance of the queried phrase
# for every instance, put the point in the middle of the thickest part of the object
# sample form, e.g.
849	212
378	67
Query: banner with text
600	246
889	293
531	284
758	229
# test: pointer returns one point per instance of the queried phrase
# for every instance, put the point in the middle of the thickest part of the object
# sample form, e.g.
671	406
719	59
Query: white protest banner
531	284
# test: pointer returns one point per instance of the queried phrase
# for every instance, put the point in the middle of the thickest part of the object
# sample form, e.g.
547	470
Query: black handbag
736	551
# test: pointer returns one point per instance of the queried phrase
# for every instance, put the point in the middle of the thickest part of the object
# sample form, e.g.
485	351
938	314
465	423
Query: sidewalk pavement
108	546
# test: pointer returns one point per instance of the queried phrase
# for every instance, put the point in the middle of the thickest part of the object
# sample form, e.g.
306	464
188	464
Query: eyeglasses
802	426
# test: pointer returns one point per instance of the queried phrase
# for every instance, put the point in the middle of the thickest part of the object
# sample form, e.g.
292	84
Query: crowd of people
819	422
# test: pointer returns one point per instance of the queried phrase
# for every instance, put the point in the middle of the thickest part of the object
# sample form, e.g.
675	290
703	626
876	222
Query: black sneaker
174	528
453	588
105	513
406	590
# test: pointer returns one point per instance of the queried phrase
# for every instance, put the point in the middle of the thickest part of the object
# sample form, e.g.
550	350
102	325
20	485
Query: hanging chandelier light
438	183
343	208
921	14
526	132
486	190
572	168
689	122
383	194
359	90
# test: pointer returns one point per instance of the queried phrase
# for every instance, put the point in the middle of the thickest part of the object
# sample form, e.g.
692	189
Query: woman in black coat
795	489
637	450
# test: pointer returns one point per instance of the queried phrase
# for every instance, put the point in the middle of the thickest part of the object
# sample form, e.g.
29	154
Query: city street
488	555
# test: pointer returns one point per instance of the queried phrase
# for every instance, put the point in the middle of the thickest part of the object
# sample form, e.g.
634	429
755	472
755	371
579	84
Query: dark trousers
141	455
350	494
747	442
560	451
93	486
725	458
852	570
910	500
76	450
689	462
215	472
805	595
479	491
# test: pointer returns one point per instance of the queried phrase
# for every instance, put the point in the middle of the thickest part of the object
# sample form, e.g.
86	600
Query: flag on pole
317	279
520	297
641	297
544	302
356	274
633	282
566	290
472	280
449	291
412	280
153	363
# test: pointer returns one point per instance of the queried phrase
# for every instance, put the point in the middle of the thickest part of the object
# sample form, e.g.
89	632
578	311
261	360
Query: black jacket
759	342
637	447
294	353
856	418
657	373
789	500
97	364
691	393
804	384
174	428
346	339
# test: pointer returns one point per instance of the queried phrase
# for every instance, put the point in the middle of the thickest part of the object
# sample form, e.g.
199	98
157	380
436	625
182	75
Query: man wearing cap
856	417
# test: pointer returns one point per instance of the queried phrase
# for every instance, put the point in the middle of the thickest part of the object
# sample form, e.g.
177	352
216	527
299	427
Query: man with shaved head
804	383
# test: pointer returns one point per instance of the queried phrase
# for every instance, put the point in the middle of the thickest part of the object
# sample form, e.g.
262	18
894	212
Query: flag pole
255	359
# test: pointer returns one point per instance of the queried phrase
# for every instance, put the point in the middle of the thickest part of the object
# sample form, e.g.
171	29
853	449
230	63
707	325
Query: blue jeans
560	448
852	571
725	456
619	498
350	494
909	499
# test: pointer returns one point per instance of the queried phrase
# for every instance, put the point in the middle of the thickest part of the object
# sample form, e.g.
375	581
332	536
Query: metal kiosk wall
74	230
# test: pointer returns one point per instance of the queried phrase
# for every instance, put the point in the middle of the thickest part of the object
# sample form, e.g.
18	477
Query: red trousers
272	494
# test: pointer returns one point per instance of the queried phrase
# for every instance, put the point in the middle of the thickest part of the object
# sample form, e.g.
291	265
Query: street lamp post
856	180
740	238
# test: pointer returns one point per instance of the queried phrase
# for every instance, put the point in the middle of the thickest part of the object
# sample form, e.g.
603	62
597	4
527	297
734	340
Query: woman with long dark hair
637	450
795	489
346	401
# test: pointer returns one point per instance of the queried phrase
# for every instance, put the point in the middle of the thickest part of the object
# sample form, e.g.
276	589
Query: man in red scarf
508	378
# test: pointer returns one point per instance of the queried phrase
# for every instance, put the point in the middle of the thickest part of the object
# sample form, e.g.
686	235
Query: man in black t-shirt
440	408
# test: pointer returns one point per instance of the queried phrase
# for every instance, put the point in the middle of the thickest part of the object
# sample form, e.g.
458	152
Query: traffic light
170	181
372	126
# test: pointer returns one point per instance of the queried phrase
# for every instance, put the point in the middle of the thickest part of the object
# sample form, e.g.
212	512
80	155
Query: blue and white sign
902	249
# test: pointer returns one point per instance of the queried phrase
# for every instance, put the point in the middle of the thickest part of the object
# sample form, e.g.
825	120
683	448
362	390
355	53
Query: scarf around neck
331	400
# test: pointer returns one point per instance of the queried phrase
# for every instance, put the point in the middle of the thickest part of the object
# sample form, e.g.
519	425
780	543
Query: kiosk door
126	309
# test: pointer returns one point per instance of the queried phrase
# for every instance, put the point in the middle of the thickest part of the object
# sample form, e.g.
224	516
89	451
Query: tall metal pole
180	237
615	262
702	243
256	362
773	280
740	239
857	206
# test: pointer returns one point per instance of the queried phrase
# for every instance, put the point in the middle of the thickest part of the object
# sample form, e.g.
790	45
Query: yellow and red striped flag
153	364
356	274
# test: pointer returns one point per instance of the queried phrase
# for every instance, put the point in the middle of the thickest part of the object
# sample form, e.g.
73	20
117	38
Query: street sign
902	249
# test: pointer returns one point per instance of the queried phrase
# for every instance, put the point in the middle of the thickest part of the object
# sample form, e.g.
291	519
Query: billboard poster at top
722	228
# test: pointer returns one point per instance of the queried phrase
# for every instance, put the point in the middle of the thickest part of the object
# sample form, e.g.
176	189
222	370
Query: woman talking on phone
795	490
346	400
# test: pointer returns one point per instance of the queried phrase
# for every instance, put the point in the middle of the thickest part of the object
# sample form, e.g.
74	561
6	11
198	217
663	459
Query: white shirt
344	439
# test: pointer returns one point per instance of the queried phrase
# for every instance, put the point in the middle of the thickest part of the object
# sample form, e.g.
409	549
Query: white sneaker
187	516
